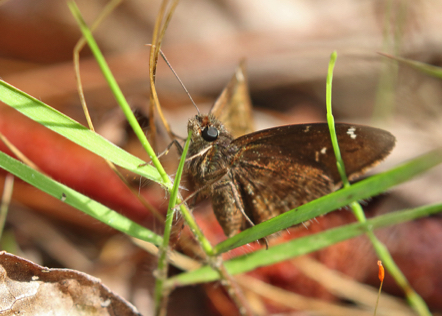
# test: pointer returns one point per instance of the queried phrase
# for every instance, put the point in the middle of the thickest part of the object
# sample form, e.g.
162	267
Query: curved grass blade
118	94
381	250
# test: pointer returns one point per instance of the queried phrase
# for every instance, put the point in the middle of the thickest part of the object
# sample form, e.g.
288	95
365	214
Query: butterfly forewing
361	147
278	169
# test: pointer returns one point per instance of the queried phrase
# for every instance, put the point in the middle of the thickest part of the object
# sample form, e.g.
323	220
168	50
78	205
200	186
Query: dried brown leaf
27	288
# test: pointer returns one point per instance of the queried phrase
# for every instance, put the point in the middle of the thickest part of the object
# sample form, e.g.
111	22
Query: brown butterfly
260	175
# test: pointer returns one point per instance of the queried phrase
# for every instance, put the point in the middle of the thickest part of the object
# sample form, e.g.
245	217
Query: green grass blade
381	250
359	191
118	94
331	121
74	131
77	200
302	246
162	258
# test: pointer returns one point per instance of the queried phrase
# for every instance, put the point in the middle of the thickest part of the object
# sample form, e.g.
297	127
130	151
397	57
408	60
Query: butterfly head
207	131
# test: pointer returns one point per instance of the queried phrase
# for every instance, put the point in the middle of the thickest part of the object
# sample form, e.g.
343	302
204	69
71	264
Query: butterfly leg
166	151
240	205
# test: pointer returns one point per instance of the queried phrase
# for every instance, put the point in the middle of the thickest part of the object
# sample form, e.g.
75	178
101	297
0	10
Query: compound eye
210	133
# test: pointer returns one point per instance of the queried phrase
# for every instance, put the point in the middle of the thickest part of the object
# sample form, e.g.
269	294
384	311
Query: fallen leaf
27	288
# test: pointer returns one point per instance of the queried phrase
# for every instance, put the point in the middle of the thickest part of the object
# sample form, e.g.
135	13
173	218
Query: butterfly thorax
208	154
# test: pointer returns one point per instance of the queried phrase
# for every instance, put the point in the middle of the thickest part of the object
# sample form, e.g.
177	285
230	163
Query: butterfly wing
281	168
233	107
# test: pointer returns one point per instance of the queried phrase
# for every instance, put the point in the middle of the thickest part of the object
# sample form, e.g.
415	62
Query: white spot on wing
306	129
351	132
324	150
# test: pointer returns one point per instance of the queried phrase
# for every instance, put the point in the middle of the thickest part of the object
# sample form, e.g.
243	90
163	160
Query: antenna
176	75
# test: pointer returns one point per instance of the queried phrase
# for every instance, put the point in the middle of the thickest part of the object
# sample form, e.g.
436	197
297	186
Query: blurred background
286	45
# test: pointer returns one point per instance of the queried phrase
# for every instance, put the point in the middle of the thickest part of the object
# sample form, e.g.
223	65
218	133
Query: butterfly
259	175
